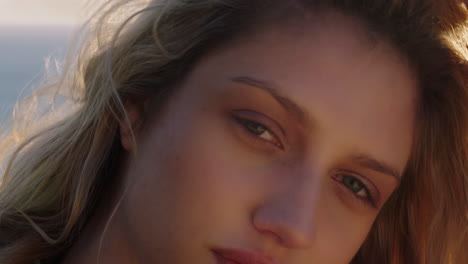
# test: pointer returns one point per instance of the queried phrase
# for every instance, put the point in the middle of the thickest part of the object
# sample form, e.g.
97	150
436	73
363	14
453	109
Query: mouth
238	256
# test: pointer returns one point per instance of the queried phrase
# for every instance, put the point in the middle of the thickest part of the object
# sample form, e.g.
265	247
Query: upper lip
244	256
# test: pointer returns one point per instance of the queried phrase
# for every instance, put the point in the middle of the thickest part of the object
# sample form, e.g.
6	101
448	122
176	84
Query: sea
24	50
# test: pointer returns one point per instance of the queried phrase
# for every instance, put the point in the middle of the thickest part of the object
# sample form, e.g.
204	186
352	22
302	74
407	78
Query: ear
129	128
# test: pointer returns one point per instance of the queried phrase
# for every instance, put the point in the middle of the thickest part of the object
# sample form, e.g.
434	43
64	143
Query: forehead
356	90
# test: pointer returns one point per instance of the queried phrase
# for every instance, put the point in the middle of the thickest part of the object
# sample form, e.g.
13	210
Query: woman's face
286	143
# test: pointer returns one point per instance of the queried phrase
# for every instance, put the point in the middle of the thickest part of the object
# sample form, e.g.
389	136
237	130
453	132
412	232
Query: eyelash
368	199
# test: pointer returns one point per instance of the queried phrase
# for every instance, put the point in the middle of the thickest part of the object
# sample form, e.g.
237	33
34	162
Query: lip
239	256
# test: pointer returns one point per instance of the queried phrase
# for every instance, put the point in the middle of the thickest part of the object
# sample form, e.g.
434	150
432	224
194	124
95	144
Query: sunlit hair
56	169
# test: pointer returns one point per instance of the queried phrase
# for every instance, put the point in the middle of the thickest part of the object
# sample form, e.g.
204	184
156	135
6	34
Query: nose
291	215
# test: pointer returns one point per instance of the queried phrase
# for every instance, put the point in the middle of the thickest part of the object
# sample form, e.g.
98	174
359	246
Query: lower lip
221	260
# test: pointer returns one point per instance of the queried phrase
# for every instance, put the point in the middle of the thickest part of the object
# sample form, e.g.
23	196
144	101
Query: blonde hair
55	173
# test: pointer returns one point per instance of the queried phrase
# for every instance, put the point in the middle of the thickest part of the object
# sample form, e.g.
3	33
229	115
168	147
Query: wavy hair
54	172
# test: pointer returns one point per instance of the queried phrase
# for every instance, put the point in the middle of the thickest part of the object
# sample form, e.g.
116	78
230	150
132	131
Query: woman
239	131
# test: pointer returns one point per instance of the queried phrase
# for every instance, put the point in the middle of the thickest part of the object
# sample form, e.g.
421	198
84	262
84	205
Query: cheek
213	173
183	169
343	235
340	231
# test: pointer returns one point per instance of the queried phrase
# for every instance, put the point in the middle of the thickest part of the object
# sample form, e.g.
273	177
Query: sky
41	12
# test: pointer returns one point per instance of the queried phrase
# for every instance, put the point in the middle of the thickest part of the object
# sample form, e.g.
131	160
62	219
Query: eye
355	185
359	189
256	130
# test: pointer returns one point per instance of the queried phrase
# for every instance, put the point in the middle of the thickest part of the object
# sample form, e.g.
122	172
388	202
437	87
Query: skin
288	185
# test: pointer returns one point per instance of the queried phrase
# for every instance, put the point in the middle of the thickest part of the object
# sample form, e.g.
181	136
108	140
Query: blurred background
30	32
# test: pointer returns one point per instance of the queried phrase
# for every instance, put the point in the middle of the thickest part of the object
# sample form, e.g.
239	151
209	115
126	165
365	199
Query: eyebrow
298	113
289	105
368	162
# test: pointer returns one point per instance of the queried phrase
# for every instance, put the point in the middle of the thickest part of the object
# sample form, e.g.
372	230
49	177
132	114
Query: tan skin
228	165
